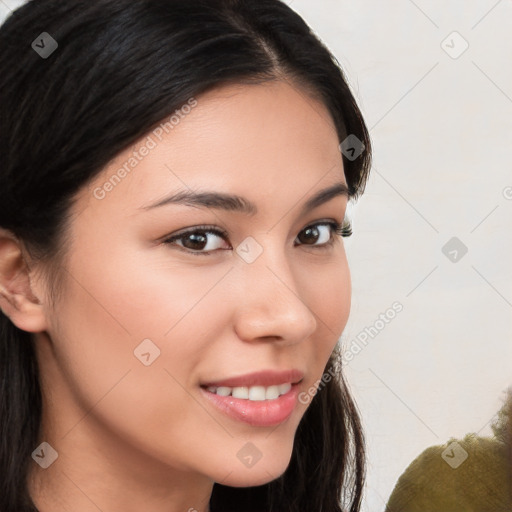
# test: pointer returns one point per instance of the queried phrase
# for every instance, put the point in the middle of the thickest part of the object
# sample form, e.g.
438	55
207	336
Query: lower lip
258	413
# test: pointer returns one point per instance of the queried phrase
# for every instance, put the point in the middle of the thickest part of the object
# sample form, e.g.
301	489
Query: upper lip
261	378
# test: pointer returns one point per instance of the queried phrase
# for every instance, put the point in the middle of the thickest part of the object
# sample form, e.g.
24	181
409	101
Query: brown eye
201	239
312	235
195	241
198	240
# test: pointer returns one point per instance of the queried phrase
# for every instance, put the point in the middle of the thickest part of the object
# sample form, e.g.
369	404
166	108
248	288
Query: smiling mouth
253	393
258	406
261	398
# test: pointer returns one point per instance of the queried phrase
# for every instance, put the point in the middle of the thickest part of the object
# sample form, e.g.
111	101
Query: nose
270	304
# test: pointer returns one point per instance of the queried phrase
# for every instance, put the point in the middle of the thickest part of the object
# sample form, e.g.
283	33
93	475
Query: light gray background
442	135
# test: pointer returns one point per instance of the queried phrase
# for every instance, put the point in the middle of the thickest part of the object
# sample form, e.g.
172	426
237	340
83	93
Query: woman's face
142	324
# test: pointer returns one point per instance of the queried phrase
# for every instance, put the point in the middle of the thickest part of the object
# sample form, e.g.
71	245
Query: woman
172	273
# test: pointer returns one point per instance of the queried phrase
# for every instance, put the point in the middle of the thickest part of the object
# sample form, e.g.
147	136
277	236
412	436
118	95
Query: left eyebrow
235	203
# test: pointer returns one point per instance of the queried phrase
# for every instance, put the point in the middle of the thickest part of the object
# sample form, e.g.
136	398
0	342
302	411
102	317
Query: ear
17	298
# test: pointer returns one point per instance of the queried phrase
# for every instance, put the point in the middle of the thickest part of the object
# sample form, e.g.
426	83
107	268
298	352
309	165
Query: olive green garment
443	479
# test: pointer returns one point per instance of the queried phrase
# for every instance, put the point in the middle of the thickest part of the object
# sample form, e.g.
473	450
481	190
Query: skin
133	437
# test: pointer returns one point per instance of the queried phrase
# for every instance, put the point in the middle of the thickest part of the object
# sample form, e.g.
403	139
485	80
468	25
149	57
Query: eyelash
341	230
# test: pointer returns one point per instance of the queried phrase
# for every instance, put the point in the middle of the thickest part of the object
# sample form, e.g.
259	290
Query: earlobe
17	298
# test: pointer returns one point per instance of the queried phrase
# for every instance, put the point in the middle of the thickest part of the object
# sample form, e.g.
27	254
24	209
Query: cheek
146	295
333	303
329	290
98	330
106	319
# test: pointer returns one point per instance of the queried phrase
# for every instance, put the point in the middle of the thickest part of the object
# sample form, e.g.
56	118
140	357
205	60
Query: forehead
271	139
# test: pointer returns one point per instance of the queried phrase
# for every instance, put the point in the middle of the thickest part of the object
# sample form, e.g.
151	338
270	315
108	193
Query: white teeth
255	393
271	392
223	391
284	388
240	392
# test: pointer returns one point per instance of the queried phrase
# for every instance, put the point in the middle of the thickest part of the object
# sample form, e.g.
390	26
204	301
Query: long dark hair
120	68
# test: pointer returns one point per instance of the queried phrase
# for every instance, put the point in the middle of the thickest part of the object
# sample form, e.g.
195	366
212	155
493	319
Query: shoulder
471	474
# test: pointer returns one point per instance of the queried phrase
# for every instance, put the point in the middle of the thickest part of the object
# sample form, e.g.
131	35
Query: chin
249	479
260	474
